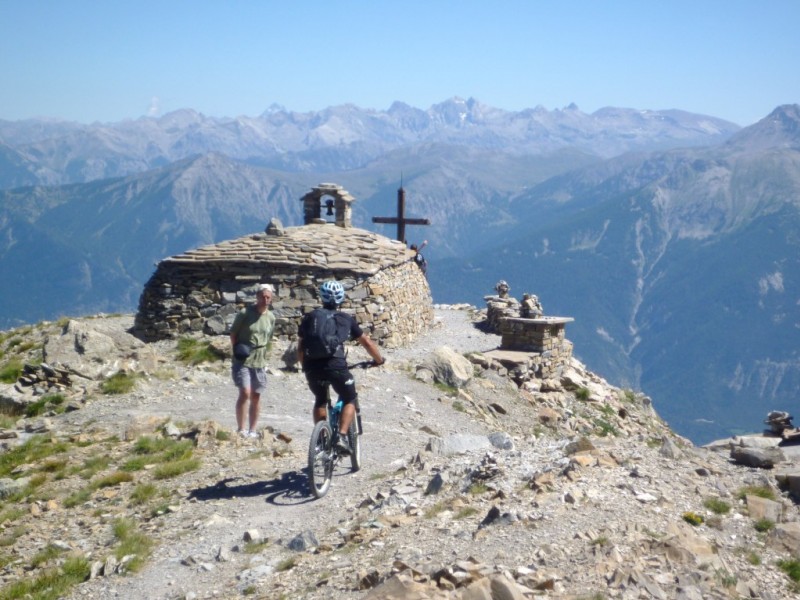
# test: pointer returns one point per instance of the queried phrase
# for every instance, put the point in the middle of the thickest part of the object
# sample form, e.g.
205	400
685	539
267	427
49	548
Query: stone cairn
47	378
533	347
500	306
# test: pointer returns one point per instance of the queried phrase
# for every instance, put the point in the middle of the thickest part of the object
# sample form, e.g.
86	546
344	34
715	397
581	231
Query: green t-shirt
251	327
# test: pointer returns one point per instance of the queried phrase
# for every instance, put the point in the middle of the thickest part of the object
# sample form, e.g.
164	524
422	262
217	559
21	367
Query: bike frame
322	455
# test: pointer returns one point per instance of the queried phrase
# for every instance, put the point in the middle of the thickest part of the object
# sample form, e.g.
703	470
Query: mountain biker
332	371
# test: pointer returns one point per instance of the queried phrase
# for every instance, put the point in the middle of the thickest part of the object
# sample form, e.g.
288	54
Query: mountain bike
323	457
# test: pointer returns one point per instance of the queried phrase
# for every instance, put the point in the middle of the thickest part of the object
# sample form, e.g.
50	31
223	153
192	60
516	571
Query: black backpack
421	262
320	339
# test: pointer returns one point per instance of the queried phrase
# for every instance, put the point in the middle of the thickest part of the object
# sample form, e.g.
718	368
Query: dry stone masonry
532	349
202	289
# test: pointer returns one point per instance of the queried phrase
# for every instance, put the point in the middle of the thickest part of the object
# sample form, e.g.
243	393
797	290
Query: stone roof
315	246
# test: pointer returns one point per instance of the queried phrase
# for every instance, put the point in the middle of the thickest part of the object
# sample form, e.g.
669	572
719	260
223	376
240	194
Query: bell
329	206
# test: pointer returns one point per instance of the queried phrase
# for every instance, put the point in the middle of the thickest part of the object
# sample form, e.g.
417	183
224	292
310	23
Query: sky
106	61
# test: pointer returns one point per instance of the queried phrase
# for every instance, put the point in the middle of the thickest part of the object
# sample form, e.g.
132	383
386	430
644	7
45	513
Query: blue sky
117	59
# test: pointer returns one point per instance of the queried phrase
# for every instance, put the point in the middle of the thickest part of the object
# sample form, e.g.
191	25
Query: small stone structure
202	289
530	348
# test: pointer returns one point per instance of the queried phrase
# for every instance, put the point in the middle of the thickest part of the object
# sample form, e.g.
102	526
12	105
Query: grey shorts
248	378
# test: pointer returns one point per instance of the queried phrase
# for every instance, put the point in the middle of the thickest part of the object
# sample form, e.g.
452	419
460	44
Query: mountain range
671	238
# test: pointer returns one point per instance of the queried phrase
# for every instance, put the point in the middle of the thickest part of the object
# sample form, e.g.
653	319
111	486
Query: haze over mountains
670	237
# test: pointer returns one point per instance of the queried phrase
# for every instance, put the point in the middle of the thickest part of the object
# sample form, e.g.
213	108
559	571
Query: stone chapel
201	290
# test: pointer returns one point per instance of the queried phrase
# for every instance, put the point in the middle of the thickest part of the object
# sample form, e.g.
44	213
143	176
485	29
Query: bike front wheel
320	459
355	446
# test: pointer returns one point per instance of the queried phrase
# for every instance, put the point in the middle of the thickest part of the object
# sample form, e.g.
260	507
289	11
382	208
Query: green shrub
583	394
693	518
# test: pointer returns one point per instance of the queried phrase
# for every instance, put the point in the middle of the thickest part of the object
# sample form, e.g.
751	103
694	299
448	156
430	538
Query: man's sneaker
242	433
252	434
341	445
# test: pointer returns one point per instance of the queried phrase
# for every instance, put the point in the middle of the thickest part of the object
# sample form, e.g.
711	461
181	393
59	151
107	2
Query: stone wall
201	291
530	349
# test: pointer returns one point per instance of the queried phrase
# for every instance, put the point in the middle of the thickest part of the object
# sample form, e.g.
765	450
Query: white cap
266	286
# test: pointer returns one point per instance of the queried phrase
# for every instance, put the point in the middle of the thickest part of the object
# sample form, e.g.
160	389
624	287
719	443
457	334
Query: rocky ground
574	490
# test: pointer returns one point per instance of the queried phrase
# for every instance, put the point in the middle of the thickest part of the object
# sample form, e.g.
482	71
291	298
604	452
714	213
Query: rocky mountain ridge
607	242
334	139
573	490
679	264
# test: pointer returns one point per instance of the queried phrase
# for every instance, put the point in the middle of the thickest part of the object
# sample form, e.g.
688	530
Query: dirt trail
240	489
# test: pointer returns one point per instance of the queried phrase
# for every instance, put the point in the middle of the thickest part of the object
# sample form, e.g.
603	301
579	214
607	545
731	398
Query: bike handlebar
366	364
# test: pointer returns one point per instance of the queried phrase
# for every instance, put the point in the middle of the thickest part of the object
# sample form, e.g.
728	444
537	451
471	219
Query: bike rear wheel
355	446
320	459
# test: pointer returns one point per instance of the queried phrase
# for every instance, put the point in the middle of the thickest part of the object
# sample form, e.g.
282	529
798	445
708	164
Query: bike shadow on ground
291	488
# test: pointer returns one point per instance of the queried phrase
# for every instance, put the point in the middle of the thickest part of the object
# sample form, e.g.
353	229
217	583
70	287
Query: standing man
419	259
251	333
320	349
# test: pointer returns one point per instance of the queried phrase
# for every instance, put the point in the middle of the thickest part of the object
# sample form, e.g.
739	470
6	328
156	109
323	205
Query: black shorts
341	380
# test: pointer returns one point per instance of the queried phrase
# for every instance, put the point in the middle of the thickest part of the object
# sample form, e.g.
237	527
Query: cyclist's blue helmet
331	292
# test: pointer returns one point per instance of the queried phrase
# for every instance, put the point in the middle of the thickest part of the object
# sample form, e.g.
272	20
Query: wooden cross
401	219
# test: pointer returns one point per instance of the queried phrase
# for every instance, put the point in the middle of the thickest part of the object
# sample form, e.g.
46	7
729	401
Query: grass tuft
11	371
131	542
50	584
194	352
791	567
118	383
762	491
764	525
177	467
717	506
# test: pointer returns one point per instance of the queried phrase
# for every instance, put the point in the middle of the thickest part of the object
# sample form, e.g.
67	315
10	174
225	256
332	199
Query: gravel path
241	489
